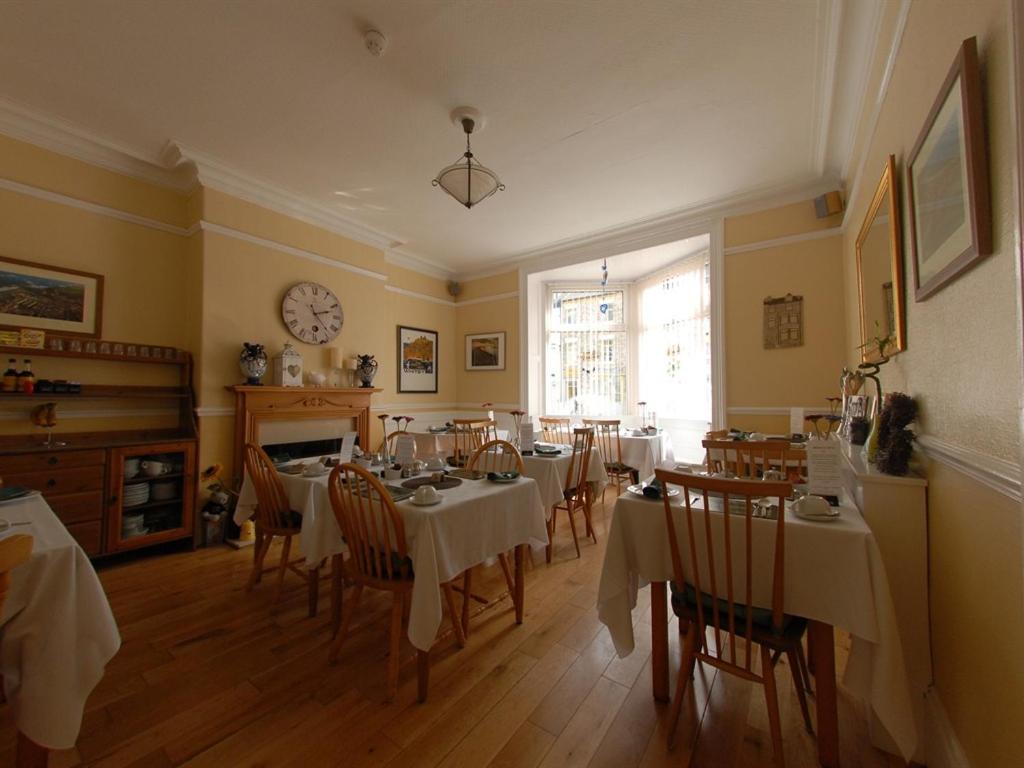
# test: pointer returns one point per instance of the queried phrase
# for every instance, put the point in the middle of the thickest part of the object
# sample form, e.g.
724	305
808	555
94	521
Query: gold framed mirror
880	272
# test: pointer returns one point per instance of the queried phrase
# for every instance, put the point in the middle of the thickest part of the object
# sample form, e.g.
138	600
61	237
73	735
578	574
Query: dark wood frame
484	369
50	267
965	69
437	358
887	183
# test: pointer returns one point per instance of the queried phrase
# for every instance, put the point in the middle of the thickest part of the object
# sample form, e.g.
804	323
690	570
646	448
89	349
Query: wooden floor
211	676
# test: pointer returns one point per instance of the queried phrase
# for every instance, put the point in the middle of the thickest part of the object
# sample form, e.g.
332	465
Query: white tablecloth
833	574
550	474
476	521
56	633
647	452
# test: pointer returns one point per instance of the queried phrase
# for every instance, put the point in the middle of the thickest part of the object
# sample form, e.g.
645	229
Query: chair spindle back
273	512
497	456
556	430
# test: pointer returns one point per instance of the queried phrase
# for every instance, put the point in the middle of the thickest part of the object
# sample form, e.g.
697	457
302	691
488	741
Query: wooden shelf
158	478
127	511
90	391
21	353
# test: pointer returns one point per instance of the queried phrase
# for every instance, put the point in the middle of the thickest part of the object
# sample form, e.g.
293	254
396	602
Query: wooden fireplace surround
255	405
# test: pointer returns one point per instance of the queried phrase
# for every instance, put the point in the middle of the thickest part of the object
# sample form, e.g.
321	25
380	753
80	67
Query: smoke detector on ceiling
376	43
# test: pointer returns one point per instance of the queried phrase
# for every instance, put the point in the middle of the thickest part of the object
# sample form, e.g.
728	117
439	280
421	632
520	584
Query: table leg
30	754
519	582
422	675
337	590
314	590
822	649
257	540
659	640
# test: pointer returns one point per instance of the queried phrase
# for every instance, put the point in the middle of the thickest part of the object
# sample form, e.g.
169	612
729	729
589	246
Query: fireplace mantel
258	404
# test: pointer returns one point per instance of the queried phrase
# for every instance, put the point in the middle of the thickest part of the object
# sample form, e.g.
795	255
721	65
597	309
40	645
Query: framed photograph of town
52	299
485	351
417	360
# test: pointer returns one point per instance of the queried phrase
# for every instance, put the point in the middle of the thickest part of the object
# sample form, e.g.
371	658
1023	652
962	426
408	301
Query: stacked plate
135	494
133	525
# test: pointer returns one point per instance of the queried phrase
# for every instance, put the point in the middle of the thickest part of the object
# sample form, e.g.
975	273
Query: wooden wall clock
312	313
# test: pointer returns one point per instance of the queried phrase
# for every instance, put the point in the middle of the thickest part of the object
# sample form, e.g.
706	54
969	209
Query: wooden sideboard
83	476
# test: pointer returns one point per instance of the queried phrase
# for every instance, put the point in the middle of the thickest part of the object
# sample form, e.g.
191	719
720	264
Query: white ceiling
629	267
598	113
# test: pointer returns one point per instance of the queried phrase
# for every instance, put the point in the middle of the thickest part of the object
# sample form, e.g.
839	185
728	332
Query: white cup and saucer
814	508
426	496
392	474
314	469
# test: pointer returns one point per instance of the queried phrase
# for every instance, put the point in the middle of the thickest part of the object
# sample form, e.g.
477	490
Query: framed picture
947	184
485	351
52	299
417	360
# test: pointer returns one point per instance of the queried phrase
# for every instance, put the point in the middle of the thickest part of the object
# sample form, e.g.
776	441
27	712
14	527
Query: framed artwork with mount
417	360
485	351
52	299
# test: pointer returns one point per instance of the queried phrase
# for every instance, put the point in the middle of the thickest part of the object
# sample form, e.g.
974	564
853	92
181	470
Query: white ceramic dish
436	500
831	517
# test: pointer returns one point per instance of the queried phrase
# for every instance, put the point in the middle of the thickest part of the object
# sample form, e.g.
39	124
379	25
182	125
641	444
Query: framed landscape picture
485	351
417	360
950	214
52	299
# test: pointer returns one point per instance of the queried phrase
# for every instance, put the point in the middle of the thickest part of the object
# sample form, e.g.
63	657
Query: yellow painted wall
963	364
499	314
782	378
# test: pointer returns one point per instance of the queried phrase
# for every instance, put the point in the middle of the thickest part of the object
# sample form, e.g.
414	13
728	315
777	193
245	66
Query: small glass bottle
26	379
10	380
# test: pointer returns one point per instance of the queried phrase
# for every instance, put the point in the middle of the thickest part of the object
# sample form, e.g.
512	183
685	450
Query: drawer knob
51	483
53	461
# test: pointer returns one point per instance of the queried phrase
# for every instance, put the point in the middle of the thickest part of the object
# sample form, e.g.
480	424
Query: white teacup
425	494
155	468
812	505
131	468
362	462
314	469
392	474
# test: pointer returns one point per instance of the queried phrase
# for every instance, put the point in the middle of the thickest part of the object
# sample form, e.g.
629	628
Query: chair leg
314	590
507	570
682	679
282	567
572	524
804	674
395	644
453	613
587	509
801	694
467	582
257	568
337	590
346	622
422	675
551	535
771	697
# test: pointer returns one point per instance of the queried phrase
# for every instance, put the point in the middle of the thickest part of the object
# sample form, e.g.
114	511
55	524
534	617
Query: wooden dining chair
494	456
606	437
556	430
712	586
469	435
747	458
374	532
275	517
576	495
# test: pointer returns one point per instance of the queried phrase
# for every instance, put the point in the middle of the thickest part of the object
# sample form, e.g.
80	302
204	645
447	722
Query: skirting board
942	747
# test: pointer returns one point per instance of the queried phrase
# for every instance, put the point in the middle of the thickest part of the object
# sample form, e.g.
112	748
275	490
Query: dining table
550	471
57	631
646	452
474	522
834	576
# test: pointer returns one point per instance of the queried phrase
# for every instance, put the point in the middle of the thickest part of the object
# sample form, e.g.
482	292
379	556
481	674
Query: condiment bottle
27	379
10	380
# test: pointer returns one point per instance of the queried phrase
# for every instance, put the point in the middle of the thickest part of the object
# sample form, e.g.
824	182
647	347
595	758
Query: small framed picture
485	351
417	360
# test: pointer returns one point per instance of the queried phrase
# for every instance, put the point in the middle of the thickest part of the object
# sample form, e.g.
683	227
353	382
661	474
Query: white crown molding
876	109
220	229
25	124
421	296
942	747
487	299
84	205
825	80
819	234
995	473
659	229
859	91
418	264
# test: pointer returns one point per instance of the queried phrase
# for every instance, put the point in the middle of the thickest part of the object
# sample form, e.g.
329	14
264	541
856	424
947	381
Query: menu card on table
823	473
348	442
526	436
405	449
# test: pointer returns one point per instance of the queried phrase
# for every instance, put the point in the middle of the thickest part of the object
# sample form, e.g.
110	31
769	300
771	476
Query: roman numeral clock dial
312	313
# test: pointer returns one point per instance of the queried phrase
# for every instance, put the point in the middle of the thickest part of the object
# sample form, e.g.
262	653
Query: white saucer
829	518
438	500
315	474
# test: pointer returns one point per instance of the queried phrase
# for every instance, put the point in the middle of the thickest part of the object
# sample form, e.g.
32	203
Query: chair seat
397	563
618	467
684	605
294	525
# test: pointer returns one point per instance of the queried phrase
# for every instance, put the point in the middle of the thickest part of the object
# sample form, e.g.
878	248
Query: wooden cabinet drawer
77	507
58	482
41	462
89	536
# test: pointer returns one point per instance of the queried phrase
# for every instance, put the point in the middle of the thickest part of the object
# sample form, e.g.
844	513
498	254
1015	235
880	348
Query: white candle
337	357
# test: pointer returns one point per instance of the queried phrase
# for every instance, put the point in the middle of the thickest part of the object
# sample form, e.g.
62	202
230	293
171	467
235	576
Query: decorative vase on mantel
253	363
366	369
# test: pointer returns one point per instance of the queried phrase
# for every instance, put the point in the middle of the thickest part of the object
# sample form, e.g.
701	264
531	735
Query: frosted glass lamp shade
468	182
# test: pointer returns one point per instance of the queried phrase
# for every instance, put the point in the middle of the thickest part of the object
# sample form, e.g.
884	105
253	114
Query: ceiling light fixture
467	180
604	273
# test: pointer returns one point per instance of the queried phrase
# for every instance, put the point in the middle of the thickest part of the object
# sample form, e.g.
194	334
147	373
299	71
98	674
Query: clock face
312	313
